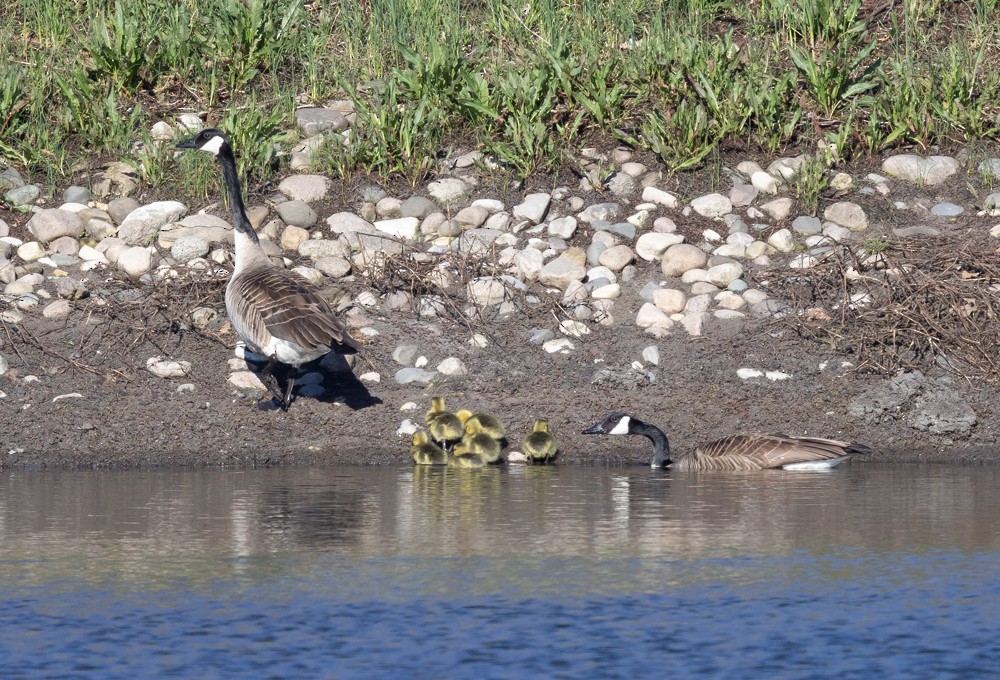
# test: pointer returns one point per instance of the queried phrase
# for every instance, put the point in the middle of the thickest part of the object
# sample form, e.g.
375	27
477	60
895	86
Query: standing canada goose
279	314
445	427
424	452
738	452
540	444
477	442
488	425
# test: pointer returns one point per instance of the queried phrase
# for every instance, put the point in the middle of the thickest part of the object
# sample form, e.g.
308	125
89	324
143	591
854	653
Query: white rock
919	170
562	227
573	328
30	251
729	300
452	366
142	224
532	208
782	241
693	323
764	182
803	261
560	272
748	373
609	291
712	205
308	188
659	196
407	428
722	275
728	314
527	264
135	261
651	355
748	168
731	250
91	254
754	295
486	291
651	246
448	191
490	205
166	368
779	208
649	315
348	222
401	227
246	380
560	345
776	375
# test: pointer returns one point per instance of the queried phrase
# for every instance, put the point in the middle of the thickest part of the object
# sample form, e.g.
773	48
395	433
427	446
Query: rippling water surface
868	571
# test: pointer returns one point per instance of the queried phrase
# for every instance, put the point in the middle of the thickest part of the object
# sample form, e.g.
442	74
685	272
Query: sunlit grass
528	82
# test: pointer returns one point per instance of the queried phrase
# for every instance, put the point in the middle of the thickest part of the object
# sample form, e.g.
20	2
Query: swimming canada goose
738	452
424	452
489	425
477	442
540	444
279	314
445	427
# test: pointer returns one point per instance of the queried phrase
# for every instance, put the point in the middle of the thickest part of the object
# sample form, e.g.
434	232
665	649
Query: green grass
528	82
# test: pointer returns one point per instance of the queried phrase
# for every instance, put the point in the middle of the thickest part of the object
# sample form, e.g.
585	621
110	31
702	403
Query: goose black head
613	423
209	139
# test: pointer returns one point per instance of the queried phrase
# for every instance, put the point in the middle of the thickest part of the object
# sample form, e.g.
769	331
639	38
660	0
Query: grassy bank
525	81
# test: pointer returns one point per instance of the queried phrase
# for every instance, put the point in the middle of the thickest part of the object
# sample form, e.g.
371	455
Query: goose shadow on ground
328	379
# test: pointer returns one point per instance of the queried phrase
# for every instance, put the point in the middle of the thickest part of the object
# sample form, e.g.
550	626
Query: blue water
572	572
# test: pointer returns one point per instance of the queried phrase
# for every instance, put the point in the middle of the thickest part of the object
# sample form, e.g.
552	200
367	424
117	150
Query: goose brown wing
287	306
760	451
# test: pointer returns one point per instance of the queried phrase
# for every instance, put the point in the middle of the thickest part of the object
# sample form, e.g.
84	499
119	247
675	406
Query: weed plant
528	82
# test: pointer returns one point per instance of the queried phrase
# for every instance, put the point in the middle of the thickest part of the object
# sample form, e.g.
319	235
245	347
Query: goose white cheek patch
621	427
212	146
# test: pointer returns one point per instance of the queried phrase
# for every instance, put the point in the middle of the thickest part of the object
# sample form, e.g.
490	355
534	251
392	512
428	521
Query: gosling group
464	439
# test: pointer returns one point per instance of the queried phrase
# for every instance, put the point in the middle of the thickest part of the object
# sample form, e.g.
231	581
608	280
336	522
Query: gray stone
742	195
388	208
10	178
49	224
778	209
314	249
785	168
532	208
405	376
314	120
669	300
471	217
188	248
623	229
947	210
622	185
919	230
807	225
723	274
527	264
649	316
58	309
347	222
478	241
22	196
942	411
991	204
334	266
307	188
405	355
142	224
401	227
65	245
764	182
120	208
616	257
537	336
166	368
600	211
562	227
990	167
69	288
298	213
560	272
76	194
417	206
847	214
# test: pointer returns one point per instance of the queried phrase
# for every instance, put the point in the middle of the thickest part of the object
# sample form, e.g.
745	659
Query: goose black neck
661	447
234	191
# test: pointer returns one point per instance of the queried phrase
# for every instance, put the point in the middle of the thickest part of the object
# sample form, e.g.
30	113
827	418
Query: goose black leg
286	401
277	401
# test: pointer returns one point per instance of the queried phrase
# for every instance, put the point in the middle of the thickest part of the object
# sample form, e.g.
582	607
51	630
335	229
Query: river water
867	571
